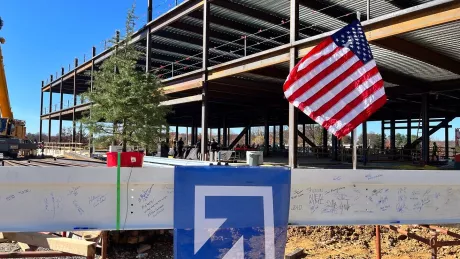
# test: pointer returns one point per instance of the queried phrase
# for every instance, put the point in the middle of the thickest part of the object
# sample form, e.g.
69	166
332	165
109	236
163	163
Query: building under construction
248	48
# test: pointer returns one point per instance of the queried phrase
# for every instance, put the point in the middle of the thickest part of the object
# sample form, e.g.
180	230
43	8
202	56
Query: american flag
337	83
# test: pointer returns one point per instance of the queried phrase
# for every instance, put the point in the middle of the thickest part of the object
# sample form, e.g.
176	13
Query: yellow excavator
13	138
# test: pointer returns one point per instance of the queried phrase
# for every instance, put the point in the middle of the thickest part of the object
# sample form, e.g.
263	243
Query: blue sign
230	212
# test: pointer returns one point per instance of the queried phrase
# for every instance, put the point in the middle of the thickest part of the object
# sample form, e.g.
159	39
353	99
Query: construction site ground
317	242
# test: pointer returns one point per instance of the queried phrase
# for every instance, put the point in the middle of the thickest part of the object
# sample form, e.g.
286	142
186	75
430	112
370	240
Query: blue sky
43	36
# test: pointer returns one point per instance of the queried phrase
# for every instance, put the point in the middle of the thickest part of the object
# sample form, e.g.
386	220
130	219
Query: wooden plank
188	99
67	245
25	247
296	254
143	247
2	238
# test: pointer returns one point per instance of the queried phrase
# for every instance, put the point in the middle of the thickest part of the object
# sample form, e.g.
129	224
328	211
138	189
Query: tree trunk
113	132
123	135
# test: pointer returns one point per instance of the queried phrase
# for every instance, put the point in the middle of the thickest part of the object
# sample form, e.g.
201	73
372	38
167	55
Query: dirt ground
344	242
359	242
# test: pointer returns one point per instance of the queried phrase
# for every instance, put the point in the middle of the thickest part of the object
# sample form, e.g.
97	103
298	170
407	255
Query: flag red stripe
347	90
309	67
351	105
363	116
328	70
293	75
330	86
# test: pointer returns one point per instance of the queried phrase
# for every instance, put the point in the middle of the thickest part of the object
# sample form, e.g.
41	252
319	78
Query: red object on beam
457	158
128	159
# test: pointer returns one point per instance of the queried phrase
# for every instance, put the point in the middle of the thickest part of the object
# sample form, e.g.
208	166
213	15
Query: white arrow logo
205	228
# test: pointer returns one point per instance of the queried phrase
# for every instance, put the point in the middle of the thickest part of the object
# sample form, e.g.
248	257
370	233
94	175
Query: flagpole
355	135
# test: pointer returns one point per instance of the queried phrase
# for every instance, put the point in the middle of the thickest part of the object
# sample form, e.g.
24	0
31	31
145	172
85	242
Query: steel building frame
240	83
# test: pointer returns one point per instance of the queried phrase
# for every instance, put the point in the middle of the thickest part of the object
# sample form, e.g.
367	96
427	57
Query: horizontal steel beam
63	198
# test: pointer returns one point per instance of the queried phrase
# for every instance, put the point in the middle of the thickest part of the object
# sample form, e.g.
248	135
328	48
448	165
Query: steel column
281	137
303	142
50	108
249	134
148	48
294	32
425	130
246	137
324	138
266	136
91	148
335	143
352	139
204	105
61	104
225	131
186	135
40	136
365	144
383	136
274	137
392	134
177	133
149	10
409	132
446	141
218	135
74	126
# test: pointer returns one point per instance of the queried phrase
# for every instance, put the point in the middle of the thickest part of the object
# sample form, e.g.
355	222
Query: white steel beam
62	199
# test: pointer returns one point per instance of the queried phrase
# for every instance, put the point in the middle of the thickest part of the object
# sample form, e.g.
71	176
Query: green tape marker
118	190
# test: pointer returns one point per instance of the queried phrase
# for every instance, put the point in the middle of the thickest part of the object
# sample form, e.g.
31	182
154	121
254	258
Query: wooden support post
204	105
294	32
105	244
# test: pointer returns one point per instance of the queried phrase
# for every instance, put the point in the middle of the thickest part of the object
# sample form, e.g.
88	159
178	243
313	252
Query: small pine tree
126	100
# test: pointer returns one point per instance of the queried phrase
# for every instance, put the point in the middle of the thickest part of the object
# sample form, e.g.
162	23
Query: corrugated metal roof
441	38
410	66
